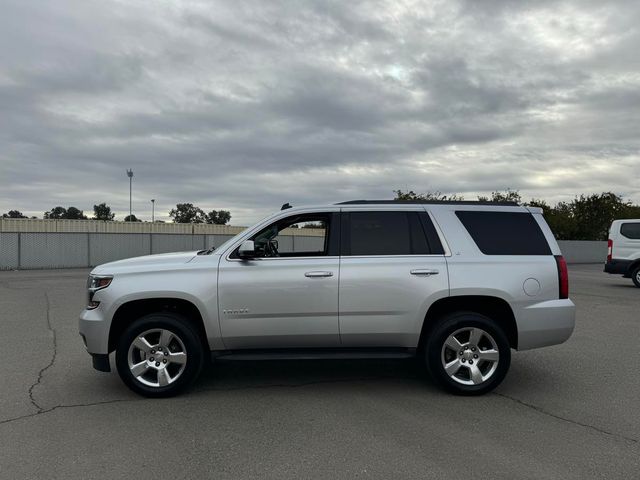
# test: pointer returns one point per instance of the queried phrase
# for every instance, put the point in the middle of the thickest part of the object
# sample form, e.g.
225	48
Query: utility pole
130	175
153	210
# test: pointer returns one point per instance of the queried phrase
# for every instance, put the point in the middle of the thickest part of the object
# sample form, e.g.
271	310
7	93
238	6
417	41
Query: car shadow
231	375
629	285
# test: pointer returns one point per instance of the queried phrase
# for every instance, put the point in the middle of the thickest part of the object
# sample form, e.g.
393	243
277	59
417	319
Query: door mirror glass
247	249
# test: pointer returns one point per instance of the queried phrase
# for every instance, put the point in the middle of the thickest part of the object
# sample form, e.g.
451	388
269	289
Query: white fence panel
216	240
9	251
583	251
54	250
165	243
107	247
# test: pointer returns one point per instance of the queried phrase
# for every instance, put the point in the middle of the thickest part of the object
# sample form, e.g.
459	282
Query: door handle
318	274
424	272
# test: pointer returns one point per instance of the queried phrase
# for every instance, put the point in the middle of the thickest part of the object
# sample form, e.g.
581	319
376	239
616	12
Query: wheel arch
496	308
634	264
134	309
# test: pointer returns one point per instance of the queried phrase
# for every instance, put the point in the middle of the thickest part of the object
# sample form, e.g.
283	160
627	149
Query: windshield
230	240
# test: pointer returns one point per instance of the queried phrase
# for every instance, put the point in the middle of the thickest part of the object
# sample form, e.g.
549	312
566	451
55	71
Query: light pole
130	175
153	210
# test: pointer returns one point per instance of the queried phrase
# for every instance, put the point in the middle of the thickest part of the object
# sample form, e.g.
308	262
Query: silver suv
456	284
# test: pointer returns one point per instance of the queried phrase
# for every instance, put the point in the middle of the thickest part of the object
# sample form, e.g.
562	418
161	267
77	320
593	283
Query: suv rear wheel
159	355
635	276
467	353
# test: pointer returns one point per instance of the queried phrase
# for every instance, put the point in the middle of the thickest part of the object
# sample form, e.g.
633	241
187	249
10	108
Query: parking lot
569	411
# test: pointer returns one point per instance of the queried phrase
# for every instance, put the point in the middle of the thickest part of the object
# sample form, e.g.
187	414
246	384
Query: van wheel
159	355
635	276
467	353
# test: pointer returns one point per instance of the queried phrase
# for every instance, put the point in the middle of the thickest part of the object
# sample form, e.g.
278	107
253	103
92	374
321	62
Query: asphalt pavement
569	411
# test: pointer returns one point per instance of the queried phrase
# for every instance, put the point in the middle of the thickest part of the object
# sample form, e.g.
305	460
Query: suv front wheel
467	353
159	355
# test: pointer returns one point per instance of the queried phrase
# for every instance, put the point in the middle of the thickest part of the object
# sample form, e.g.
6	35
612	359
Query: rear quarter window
630	230
505	233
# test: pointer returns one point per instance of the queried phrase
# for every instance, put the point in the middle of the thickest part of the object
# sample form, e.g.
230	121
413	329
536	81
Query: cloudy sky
247	105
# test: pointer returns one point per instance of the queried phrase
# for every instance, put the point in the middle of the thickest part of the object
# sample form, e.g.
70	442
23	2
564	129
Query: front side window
304	235
630	230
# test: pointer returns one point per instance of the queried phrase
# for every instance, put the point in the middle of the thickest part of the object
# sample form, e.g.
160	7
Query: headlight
95	283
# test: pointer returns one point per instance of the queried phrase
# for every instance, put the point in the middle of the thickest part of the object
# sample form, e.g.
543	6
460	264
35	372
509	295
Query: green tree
14	214
587	217
103	212
559	218
131	218
55	213
428	196
71	213
594	213
74	213
187	213
507	196
218	217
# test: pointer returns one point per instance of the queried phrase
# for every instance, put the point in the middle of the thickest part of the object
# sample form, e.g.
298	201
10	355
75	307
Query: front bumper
619	267
94	329
101	362
545	323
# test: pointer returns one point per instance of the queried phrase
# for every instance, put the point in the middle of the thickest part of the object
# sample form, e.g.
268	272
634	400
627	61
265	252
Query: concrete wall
583	251
37	243
34	250
98	226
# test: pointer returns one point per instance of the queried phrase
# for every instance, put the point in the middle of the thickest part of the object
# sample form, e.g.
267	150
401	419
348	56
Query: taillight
563	276
609	250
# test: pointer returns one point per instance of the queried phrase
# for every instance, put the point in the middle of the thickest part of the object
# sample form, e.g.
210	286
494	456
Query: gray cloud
246	106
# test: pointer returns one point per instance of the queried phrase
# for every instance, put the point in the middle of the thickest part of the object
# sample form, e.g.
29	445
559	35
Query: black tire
460	321
635	276
180	327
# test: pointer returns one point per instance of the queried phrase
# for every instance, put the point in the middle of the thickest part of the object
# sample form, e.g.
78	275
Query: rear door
392	268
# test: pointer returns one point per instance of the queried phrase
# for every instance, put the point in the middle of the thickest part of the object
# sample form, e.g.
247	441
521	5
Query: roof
432	202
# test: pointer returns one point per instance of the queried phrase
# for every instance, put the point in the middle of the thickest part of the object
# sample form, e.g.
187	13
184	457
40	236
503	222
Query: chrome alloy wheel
157	357
470	356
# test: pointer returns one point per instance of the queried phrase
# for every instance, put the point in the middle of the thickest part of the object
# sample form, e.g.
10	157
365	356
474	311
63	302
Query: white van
623	254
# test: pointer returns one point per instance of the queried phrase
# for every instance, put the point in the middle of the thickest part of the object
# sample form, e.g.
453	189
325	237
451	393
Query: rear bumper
619	267
545	323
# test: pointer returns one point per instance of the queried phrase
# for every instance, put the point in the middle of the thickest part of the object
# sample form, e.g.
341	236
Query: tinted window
630	230
505	233
435	246
384	233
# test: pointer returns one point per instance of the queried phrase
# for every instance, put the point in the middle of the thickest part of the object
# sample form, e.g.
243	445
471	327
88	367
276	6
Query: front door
287	297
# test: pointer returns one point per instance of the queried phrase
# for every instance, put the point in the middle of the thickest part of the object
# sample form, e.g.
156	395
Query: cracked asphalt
569	411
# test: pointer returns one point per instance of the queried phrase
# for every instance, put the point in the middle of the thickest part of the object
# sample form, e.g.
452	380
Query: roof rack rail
433	202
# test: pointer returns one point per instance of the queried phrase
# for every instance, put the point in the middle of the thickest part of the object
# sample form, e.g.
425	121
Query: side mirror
247	249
